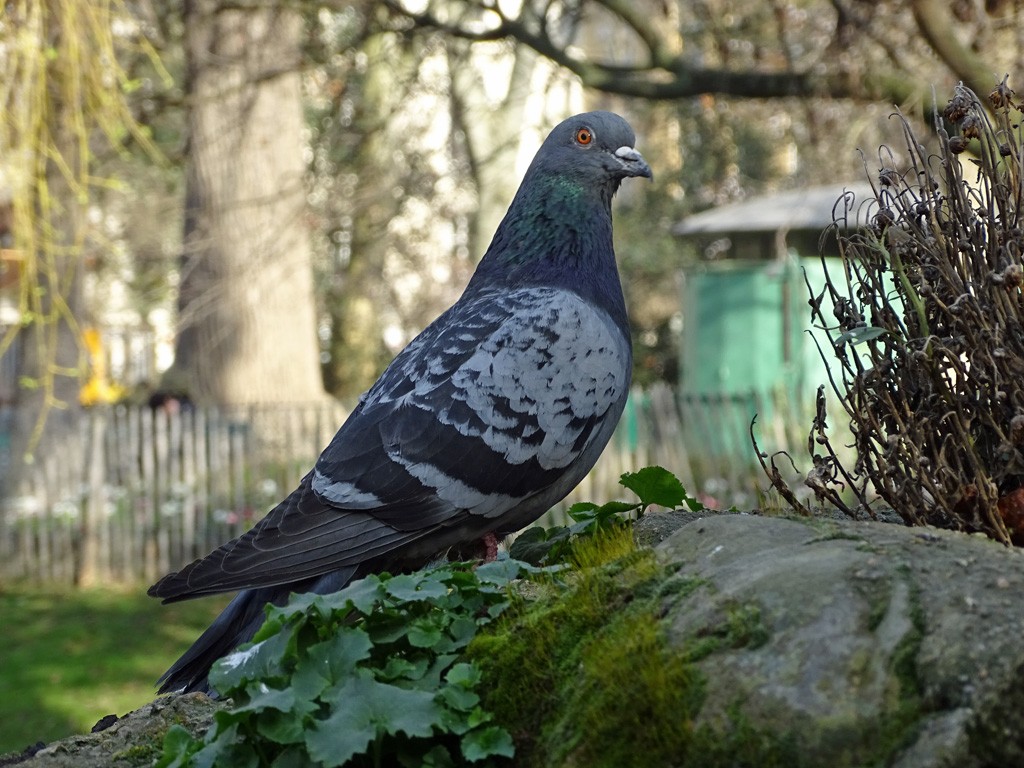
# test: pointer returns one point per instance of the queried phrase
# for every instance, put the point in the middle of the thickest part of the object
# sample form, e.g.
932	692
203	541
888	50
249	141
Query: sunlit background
217	229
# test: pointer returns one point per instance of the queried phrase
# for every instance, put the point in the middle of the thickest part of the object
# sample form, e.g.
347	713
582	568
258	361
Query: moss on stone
678	586
585	677
605	547
741	626
140	754
903	716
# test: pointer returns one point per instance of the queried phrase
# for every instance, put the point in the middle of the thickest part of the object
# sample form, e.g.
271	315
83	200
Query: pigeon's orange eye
584	136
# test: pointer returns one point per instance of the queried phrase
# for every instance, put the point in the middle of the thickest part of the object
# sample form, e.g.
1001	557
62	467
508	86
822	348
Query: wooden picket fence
135	492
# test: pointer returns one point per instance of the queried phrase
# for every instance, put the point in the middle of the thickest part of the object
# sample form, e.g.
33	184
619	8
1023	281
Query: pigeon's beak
633	163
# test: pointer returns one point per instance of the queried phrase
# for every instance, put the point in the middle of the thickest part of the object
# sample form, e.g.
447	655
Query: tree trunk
247	331
357	348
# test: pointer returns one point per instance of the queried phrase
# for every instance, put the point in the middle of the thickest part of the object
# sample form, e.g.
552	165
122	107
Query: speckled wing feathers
484	410
486	407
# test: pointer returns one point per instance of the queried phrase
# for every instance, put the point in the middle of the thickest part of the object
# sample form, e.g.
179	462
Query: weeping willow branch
62	97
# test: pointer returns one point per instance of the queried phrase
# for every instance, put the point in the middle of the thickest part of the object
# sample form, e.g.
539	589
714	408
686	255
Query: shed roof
812	208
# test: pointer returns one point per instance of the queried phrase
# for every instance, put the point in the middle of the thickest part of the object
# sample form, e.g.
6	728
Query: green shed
745	344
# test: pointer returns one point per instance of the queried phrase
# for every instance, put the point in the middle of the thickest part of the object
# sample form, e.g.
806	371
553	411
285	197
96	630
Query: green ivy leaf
530	535
655	485
261	696
253	661
364	708
462	630
281	728
363	595
489	741
387	627
346	649
425	633
610	508
463	674
535	545
334	741
458	698
582	510
499	572
329	660
298	607
478	717
398	667
412	587
432	677
312	675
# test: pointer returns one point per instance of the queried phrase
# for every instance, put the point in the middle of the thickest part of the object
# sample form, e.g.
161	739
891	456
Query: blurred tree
246	303
368	167
858	49
415	144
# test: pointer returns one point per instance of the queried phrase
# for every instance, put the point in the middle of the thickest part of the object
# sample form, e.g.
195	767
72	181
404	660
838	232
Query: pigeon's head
594	149
559	226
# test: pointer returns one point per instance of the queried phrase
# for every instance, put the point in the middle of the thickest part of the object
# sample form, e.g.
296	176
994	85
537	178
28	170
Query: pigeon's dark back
488	418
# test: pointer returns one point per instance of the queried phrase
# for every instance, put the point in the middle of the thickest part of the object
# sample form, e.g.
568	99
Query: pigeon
490	416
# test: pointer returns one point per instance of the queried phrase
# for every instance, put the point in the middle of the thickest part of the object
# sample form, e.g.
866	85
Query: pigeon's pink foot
490	542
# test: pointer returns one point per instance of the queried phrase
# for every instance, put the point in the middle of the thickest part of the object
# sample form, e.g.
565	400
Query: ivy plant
368	676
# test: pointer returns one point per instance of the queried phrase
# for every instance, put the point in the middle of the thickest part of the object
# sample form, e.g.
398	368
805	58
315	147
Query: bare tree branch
666	76
937	27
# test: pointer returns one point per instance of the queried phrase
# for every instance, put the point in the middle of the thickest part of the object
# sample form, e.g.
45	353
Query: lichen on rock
131	741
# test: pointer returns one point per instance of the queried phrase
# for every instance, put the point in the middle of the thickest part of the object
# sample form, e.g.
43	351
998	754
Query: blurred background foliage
418	121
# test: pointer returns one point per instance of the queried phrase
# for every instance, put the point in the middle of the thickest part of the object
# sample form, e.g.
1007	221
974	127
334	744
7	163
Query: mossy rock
737	641
586	675
743	640
131	741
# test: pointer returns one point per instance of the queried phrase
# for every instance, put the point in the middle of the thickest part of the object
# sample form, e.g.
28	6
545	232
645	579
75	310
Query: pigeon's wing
484	415
491	405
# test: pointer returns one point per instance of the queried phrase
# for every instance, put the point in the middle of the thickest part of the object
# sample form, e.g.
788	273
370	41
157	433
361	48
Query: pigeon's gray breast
534	384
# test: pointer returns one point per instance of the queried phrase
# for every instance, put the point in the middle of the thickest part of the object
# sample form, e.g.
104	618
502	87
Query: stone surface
133	740
870	643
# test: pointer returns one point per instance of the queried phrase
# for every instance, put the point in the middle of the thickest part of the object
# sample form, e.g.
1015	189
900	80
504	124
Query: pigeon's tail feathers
237	624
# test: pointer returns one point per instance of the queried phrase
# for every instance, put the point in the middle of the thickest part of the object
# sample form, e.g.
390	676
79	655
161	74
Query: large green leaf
411	587
262	696
655	485
499	572
489	741
362	709
257	661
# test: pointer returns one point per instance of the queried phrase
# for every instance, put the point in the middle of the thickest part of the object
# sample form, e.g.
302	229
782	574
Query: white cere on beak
628	153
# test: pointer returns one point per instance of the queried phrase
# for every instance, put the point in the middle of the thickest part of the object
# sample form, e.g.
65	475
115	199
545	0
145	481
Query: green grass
67	658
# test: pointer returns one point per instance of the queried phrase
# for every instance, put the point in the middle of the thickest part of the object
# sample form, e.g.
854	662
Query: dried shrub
926	328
